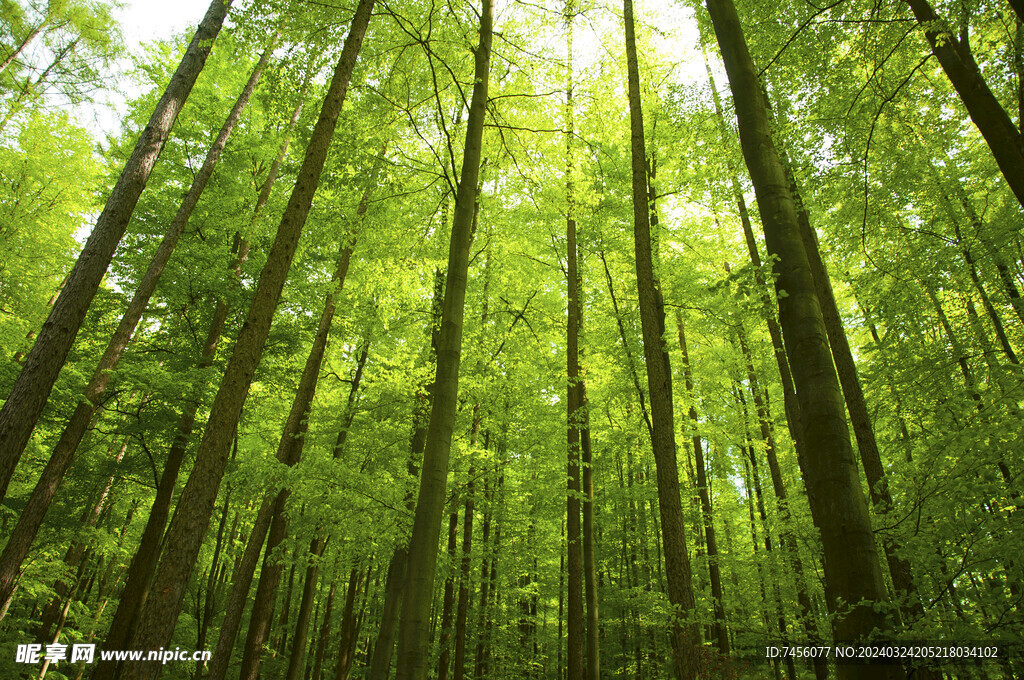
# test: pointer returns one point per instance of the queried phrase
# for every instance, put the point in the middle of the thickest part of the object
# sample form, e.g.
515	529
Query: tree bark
414	627
190	522
838	506
685	636
349	632
325	634
33	385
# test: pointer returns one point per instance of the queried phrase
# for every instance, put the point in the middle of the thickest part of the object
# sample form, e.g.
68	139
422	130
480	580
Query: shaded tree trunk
685	636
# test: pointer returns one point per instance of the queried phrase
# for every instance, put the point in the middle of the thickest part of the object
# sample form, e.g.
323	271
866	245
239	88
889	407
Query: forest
417	339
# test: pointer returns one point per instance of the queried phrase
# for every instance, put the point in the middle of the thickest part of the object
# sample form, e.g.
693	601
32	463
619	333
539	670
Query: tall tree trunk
32	387
838	506
781	498
31	517
685	636
721	633
185	535
488	554
325	634
394	588
349	627
297	659
414	627
579	631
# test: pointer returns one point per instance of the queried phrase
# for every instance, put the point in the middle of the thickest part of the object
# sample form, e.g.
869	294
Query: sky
146	20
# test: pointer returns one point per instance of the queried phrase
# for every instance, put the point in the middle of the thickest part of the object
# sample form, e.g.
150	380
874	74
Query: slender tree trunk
444	660
297	660
325	634
488	554
414	628
185	535
685	636
781	499
290	451
347	635
720	631
462	609
31	517
32	387
394	588
838	507
579	630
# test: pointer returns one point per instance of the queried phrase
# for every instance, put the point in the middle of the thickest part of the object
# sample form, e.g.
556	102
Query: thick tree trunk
685	636
838	506
32	387
791	403
190	522
31	517
414	627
